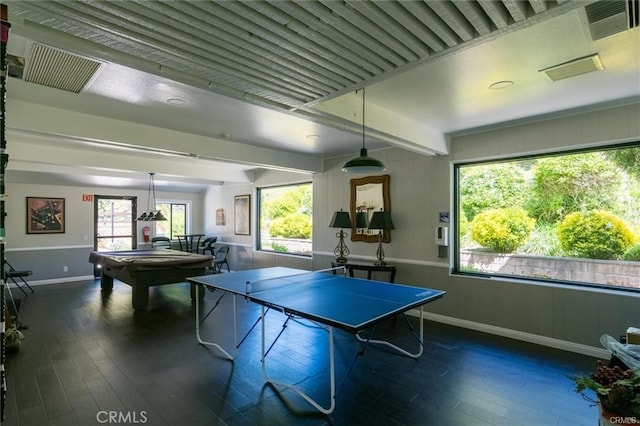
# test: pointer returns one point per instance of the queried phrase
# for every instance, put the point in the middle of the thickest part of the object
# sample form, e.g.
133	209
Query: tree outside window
176	213
547	218
285	217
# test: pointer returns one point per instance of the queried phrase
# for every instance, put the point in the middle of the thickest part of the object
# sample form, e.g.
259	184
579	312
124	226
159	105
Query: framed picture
45	215
242	214
220	217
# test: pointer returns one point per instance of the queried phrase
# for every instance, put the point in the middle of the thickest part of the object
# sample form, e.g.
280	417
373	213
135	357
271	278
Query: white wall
420	188
243	254
46	254
568	317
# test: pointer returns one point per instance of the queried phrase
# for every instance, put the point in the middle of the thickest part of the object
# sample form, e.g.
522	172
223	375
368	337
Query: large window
285	218
570	218
176	213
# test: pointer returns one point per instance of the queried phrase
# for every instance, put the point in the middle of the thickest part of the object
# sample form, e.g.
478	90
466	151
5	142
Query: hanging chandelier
151	215
363	163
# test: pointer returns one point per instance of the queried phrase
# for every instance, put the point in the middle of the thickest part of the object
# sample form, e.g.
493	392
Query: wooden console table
369	267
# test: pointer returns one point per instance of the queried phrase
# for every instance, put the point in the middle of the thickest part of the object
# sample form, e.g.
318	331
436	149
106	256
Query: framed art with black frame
45	215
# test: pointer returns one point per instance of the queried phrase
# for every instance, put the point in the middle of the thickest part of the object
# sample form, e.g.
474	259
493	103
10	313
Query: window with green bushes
285	218
176	223
571	217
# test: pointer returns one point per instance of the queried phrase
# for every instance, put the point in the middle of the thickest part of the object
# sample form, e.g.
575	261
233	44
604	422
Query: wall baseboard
60	280
472	325
518	335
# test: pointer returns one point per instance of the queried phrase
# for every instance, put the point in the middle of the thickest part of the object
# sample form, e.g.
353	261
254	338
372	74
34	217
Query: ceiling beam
43	120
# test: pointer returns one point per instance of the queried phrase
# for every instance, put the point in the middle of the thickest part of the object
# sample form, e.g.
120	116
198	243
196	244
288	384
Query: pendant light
151	215
363	163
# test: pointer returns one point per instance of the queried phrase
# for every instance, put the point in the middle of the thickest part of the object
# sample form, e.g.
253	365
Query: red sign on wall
87	197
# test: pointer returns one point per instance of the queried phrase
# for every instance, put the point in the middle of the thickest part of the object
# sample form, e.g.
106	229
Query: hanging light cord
363	102
153	188
149	192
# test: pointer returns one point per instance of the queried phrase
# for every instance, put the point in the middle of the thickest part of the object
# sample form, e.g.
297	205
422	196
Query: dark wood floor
88	356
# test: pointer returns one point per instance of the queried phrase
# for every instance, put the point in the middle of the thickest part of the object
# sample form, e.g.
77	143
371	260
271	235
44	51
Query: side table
369	267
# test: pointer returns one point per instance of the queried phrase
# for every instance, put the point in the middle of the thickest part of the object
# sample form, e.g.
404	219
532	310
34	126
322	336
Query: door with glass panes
114	224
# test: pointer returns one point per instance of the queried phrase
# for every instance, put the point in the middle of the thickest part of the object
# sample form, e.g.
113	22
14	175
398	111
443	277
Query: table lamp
341	219
362	221
382	222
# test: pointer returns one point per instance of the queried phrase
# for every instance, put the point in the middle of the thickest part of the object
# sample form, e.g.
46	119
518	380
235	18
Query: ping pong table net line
289	280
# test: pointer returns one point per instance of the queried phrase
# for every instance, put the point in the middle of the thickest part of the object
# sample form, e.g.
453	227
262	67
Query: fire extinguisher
145	233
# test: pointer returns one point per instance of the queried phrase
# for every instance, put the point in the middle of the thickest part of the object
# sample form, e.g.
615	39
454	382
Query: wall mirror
369	194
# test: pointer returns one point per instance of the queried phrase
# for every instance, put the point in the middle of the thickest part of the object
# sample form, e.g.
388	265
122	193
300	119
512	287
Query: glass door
114	227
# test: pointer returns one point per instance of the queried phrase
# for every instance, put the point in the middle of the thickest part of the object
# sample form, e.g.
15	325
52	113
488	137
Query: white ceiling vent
59	69
610	17
575	67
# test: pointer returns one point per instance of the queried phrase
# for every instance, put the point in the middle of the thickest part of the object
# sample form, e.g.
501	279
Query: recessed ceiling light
175	101
501	84
313	136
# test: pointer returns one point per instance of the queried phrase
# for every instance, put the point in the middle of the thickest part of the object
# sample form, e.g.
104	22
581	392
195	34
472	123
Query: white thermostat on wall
442	235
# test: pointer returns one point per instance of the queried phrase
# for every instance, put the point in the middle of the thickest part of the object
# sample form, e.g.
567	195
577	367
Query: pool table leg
106	282
139	296
200	292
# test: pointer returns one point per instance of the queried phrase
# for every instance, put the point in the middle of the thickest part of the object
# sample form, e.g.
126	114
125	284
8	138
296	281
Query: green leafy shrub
594	235
463	223
294	225
543	241
281	248
502	230
566	184
632	254
491	186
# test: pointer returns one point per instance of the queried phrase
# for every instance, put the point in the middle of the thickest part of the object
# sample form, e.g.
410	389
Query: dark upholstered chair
161	242
208	245
221	258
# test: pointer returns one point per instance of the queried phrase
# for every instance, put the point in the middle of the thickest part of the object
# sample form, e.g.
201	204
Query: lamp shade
340	219
364	164
381	220
157	216
362	221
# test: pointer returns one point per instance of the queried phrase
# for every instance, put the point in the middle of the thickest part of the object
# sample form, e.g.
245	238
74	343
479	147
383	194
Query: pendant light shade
363	163
151	215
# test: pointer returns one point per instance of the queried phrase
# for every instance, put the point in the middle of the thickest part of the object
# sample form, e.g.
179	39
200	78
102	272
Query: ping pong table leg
397	348
213	344
294	388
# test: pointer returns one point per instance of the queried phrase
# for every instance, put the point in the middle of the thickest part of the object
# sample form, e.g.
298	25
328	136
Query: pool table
142	269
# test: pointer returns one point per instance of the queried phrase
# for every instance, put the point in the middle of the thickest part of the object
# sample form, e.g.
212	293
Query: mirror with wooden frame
369	194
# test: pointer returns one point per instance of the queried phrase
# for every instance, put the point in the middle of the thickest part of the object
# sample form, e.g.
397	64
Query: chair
161	242
9	313
12	274
208	245
221	259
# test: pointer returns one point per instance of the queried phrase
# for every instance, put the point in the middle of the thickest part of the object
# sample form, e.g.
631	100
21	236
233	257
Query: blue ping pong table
333	300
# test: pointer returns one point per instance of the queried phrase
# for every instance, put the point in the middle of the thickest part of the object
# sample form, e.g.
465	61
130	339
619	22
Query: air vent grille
610	17
59	69
573	68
